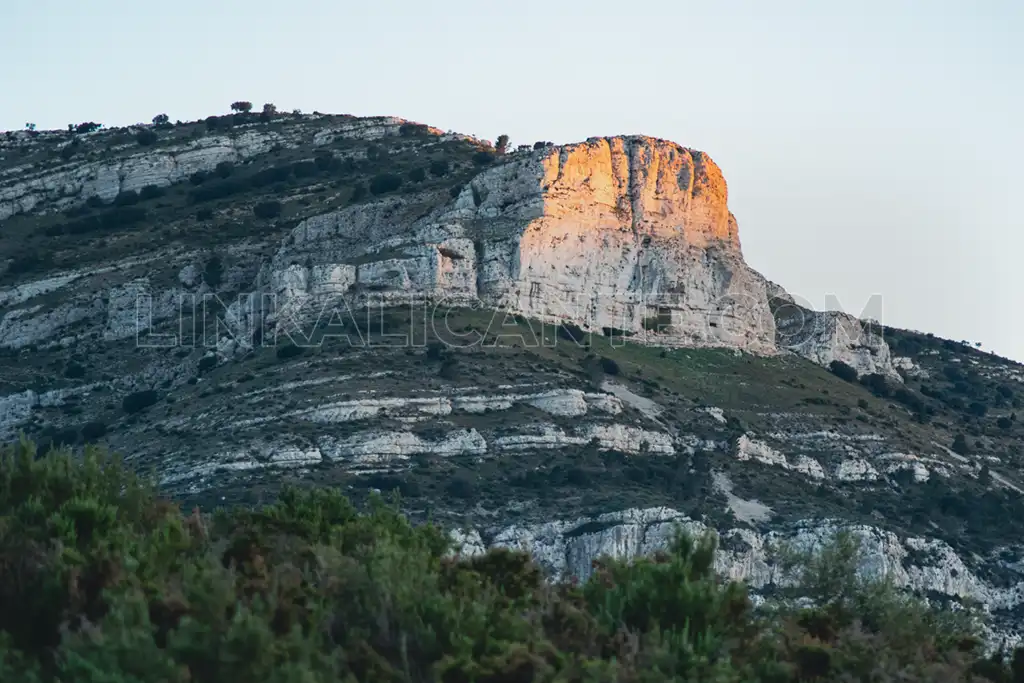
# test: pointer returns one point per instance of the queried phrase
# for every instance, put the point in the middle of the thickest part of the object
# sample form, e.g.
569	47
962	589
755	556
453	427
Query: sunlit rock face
624	233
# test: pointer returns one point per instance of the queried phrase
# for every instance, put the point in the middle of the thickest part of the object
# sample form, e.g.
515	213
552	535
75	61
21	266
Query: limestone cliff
625	233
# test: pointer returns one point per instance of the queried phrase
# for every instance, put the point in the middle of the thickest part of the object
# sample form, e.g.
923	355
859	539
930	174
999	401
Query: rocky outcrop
567	548
827	336
54	188
628	233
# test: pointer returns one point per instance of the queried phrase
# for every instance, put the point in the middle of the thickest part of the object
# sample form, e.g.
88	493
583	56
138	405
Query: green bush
385	182
102	580
126	198
843	371
417	175
270	209
439	167
146	137
139	400
151	192
289	351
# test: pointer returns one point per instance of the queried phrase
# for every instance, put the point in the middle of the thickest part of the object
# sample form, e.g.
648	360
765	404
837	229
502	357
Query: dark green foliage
204	214
289	351
358	192
325	161
140	400
417	175
69	150
609	366
74	370
271	209
213	271
126	198
269	176
571	332
876	384
146	137
151	192
224	169
198	178
455	191
101	580
29	262
87	127
412	129
93	430
483	157
385	182
439	167
115	219
207	363
501	144
960	445
241	106
843	371
304	169
217	190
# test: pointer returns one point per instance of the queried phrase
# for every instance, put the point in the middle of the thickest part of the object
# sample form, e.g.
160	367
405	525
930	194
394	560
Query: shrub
571	332
126	198
204	215
241	106
93	430
325	161
140	400
358	192
161	120
224	169
69	150
454	191
198	178
417	175
266	210
876	384
289	351
411	129
213	271
206	363
304	169
88	127
1004	422
439	167
217	190
74	370
843	371
102	580
269	176
609	366
29	262
483	157
501	144
151	192
385	182
960	445
146	137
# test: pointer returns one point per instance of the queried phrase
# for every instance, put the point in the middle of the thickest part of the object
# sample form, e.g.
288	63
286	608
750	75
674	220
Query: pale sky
871	147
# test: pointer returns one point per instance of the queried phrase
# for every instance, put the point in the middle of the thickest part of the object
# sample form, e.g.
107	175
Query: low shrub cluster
102	580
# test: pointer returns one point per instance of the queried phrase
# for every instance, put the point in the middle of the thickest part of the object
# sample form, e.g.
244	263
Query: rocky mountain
558	348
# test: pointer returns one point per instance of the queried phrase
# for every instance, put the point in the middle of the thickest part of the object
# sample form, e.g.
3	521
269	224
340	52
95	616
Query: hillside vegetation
102	580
